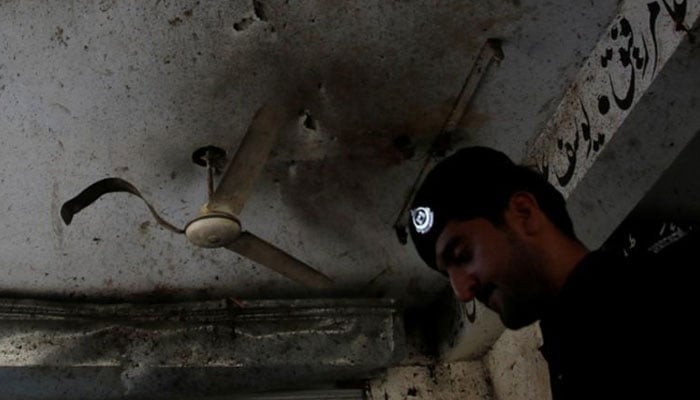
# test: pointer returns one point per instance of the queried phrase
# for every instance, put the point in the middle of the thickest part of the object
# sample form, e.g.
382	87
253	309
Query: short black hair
477	182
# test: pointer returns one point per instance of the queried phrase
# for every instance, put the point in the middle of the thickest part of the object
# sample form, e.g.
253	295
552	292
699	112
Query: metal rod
490	51
210	175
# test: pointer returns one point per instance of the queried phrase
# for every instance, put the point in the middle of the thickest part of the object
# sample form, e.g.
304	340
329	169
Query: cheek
493	261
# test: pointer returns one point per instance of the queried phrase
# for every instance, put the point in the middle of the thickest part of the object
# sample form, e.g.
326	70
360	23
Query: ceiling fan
218	224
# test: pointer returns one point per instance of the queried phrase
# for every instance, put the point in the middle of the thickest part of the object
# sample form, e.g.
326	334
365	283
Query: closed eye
461	257
454	254
457	256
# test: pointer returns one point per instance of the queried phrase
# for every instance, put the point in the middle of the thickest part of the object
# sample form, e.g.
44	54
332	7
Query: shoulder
655	278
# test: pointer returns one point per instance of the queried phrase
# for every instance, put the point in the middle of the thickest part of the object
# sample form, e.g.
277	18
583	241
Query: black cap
473	182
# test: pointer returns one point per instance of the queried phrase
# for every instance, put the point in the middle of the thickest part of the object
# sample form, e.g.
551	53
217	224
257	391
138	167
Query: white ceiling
90	89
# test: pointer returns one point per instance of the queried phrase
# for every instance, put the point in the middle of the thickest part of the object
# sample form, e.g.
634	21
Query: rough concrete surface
518	370
448	381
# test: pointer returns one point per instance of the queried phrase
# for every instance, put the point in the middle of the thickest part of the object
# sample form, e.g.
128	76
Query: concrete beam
213	348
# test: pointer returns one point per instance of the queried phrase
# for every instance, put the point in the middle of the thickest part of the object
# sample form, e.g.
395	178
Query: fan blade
108	185
237	182
262	252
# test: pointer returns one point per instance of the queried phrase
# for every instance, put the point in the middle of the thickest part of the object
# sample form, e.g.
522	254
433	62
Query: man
612	325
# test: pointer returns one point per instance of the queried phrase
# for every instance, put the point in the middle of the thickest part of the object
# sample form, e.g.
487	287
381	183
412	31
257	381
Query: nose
464	283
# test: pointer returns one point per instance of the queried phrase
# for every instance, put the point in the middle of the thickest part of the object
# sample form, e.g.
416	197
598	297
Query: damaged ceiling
91	89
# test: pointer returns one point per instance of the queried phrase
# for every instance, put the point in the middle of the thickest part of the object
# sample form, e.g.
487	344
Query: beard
524	295
518	313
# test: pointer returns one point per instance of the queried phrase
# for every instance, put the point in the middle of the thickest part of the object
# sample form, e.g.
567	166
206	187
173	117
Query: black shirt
620	326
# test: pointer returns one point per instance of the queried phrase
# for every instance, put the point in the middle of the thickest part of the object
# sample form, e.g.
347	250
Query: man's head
491	226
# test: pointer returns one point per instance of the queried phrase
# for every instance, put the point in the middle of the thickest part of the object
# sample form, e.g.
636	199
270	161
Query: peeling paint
259	9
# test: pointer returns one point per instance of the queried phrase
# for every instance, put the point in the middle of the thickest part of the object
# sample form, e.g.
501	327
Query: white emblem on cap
422	218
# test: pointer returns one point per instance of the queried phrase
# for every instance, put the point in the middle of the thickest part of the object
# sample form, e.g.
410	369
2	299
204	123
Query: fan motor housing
213	230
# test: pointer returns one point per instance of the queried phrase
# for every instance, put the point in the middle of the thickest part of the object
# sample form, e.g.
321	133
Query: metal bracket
490	51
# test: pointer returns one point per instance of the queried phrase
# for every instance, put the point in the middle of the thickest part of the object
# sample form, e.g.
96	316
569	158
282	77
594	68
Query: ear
523	213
